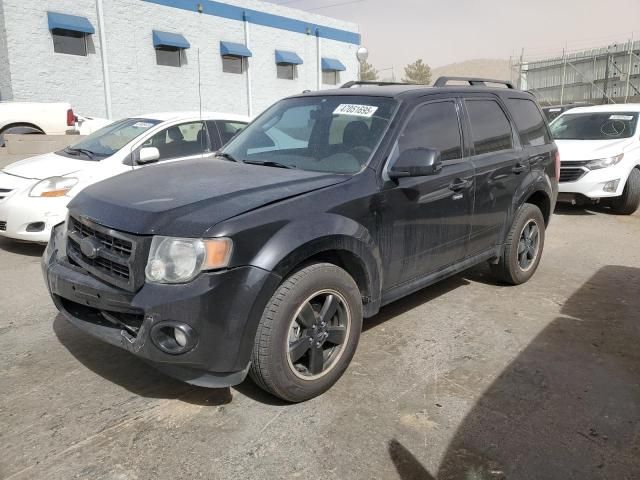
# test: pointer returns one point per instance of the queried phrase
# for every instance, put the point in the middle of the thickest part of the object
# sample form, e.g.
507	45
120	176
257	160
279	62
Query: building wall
137	83
5	72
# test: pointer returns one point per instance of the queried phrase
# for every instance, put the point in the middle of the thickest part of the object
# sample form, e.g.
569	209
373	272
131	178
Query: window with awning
69	33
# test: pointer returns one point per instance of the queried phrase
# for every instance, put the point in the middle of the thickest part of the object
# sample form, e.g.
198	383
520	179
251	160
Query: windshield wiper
269	164
226	156
84	151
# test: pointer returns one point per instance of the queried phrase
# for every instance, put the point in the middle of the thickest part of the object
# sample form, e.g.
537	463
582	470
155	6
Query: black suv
326	207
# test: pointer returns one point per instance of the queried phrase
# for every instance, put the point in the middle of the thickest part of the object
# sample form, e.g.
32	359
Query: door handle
459	184
519	168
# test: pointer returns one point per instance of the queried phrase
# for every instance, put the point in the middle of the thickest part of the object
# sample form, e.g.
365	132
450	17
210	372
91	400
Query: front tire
628	202
523	247
308	333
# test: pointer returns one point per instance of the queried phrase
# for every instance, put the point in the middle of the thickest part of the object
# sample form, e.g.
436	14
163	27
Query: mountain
484	67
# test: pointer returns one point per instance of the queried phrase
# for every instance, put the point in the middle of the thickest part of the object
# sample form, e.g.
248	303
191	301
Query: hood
186	198
45	166
573	150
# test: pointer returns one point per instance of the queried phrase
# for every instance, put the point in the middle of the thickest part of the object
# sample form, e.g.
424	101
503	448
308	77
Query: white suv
600	154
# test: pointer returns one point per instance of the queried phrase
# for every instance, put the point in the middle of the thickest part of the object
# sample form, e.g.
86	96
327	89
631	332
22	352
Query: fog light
174	337
611	186
35	227
181	338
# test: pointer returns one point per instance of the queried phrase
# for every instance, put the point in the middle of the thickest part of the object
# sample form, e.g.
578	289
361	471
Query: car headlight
53	187
179	260
605	162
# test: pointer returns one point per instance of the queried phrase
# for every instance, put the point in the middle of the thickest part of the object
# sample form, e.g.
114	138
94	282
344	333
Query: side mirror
416	162
148	155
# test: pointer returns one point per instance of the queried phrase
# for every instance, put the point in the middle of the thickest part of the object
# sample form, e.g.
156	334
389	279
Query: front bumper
19	211
222	308
592	184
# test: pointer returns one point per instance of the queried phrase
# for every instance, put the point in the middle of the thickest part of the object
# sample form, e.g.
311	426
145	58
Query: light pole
361	54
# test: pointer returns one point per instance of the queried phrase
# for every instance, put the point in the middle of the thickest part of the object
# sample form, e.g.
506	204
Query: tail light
557	165
71	118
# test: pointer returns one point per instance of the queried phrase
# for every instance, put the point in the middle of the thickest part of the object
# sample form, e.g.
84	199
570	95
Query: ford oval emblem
90	247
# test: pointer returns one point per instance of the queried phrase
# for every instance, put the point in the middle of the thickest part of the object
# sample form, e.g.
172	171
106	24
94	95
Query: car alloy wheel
528	245
318	334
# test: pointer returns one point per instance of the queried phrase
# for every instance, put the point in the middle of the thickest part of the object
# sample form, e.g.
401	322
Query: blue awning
61	21
332	65
167	39
234	49
289	58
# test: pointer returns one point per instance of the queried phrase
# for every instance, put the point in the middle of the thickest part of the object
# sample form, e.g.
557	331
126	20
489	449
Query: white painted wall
138	85
5	75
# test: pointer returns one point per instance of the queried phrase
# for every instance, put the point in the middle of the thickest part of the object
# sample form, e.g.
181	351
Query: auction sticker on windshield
355	110
621	117
142	125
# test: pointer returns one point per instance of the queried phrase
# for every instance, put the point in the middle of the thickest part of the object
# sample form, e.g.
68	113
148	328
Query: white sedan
34	193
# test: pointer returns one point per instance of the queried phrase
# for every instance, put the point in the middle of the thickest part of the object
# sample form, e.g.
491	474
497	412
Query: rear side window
529	122
490	128
434	125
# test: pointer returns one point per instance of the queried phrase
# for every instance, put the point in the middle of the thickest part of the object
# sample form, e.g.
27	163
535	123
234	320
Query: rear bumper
222	309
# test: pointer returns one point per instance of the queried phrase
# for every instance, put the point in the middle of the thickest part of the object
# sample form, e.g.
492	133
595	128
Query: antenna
199	85
203	126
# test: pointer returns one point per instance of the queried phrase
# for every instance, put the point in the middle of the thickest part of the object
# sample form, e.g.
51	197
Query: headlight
179	260
53	187
605	162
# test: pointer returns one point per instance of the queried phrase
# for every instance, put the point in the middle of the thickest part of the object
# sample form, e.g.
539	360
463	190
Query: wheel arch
541	199
332	239
29	127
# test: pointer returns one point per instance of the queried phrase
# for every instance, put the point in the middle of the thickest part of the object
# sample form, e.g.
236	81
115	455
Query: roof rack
357	83
442	81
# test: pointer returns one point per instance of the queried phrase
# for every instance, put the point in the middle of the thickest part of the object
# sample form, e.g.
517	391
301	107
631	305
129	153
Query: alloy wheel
528	245
318	334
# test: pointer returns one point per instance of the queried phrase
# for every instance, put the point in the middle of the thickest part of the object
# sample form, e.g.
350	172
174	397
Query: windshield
108	140
325	133
594	126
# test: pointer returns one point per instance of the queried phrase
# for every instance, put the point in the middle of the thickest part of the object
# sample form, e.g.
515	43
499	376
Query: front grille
571	174
4	192
114	244
3	226
114	257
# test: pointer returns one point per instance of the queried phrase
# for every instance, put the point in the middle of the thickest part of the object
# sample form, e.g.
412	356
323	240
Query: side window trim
515	139
214	134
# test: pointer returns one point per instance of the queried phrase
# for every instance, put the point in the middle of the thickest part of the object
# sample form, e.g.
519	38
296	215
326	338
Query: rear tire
523	247
628	202
308	333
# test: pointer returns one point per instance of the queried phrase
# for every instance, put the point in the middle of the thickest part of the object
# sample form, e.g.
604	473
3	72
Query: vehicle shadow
568	407
128	371
22	248
578	210
131	373
388	312
414	300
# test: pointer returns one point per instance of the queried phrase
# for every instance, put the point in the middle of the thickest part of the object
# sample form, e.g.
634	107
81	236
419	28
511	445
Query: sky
397	32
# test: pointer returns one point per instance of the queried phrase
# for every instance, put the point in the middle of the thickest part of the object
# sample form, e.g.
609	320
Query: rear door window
490	128
533	132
